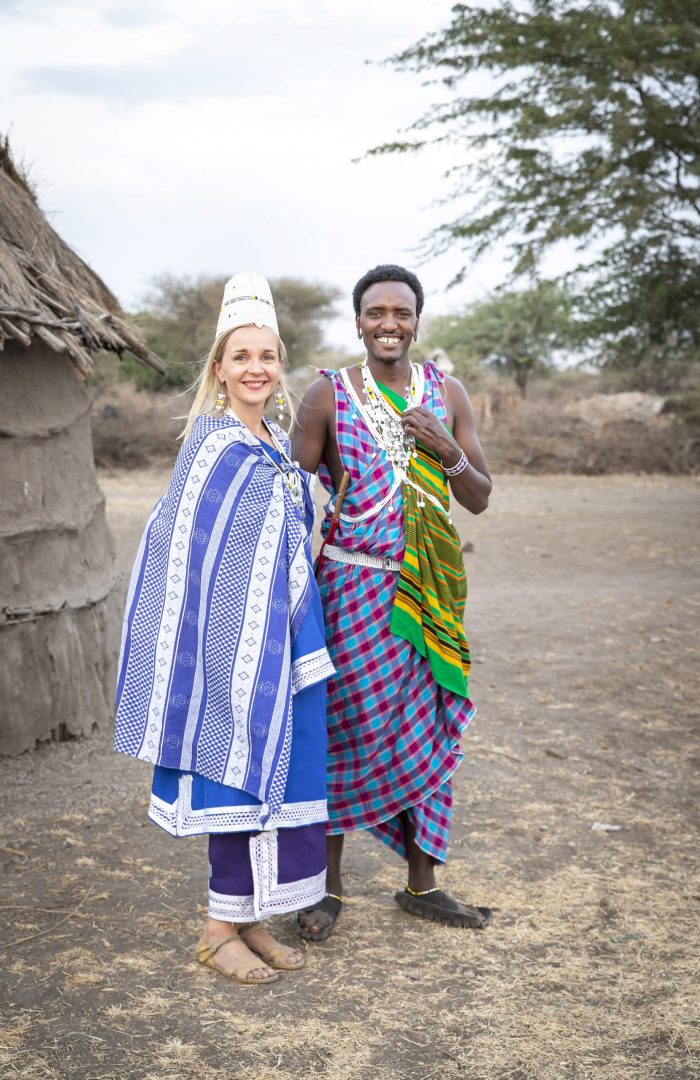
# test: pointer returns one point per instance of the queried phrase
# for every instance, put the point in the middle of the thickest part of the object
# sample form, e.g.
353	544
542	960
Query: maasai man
393	588
224	664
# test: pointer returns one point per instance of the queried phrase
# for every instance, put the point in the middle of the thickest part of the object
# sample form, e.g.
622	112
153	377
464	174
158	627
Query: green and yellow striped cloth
432	588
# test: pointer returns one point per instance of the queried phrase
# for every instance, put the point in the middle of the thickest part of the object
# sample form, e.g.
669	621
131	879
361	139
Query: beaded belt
359	558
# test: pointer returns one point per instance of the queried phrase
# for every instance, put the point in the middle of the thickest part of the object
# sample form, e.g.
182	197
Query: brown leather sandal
205	952
277	956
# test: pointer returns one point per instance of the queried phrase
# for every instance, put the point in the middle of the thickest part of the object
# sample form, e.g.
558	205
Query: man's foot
271	951
439	907
316	923
230	957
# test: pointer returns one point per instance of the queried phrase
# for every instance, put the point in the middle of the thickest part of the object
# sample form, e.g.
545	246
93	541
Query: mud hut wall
58	623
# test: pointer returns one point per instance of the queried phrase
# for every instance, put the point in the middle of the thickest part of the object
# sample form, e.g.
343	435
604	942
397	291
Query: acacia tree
517	332
179	316
589	130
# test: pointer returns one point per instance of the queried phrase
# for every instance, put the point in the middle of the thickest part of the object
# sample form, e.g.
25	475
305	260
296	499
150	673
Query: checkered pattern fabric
431	820
393	731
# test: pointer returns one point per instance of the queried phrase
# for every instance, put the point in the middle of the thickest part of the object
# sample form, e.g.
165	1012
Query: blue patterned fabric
219	593
186	804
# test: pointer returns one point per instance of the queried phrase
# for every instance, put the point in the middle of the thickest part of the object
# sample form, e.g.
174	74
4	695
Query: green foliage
644	307
589	130
302	308
180	315
516	332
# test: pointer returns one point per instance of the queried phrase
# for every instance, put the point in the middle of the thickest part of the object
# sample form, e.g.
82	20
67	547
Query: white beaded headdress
247	299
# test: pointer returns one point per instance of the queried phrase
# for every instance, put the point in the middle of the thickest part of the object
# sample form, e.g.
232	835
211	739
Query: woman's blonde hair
207	387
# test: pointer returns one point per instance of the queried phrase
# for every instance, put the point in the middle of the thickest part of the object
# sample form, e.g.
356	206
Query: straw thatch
47	291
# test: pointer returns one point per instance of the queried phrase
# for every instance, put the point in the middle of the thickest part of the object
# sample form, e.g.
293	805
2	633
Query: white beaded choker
392	438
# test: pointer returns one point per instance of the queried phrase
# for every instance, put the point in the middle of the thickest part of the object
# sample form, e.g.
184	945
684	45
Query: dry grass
590	970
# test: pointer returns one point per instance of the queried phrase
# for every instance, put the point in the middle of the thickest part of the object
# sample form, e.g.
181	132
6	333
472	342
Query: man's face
388	320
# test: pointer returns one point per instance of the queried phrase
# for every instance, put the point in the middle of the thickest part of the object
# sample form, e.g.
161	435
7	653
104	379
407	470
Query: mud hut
58	625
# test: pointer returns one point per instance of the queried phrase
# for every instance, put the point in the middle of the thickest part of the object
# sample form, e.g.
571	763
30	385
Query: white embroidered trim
271	898
231	908
179	818
310	669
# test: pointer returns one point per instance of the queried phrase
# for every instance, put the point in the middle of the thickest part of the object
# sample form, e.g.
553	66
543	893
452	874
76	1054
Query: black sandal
436	905
329	905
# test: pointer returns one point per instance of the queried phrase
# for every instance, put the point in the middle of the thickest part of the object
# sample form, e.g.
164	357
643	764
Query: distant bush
179	315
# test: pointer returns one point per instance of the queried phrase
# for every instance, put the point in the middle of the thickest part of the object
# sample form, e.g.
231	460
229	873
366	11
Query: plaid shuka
393	731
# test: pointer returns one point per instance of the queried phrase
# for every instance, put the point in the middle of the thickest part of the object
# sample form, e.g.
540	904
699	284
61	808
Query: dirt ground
583	616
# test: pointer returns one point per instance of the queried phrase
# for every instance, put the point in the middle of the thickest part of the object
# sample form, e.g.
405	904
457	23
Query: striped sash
432	588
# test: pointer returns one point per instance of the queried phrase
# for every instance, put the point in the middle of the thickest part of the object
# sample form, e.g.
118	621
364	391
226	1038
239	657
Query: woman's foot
221	947
257	938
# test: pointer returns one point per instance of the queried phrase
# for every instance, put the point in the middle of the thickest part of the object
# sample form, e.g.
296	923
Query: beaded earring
220	403
280	404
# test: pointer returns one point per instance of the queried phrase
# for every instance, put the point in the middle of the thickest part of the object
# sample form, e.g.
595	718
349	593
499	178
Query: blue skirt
255	872
186	804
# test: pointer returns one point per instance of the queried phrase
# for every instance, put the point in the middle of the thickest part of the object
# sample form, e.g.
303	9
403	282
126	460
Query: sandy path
583	615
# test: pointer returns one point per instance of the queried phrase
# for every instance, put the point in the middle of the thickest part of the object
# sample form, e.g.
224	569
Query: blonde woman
223	665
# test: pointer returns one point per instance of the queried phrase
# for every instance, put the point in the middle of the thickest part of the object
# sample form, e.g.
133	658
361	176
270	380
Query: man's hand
426	428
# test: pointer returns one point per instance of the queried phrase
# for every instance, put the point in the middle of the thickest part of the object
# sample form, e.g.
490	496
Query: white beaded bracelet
458	467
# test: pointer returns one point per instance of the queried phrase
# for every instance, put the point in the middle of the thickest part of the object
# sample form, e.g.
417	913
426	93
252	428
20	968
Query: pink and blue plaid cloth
393	733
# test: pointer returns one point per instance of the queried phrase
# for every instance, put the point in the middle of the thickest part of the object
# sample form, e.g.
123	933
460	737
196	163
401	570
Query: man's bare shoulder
320	392
455	389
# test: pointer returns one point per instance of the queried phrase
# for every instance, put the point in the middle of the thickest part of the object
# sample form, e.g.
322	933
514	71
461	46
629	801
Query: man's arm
312	434
471	487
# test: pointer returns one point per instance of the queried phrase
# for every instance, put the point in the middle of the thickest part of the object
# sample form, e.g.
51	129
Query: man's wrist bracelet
458	467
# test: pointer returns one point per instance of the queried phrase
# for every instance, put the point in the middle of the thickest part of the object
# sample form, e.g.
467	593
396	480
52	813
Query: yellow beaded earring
280	403
220	403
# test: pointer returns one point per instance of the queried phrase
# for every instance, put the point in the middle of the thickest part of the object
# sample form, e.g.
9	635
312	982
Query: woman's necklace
391	436
290	475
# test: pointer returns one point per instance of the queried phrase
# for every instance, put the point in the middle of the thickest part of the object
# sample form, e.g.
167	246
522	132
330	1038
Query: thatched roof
47	292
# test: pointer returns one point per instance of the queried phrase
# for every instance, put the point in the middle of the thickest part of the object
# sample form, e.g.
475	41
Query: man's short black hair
387	272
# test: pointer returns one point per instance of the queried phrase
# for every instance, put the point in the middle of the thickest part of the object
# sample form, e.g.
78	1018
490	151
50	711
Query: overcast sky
198	136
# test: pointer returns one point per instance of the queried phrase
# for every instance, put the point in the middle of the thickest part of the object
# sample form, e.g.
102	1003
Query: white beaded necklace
390	434
290	472
290	475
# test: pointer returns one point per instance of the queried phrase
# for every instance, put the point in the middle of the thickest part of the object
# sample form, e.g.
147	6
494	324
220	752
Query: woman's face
250	366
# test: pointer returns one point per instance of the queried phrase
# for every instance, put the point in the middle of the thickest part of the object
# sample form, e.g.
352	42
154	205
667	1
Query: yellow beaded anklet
334	897
424	892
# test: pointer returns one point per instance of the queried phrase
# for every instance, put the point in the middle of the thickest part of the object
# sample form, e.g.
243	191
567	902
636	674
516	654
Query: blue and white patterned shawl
220	587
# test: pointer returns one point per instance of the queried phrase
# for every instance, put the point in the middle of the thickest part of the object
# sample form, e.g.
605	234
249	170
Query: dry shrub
537	436
139	429
135	429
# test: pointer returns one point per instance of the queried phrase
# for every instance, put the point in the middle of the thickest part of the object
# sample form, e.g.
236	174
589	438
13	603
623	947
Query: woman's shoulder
206	425
214	435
